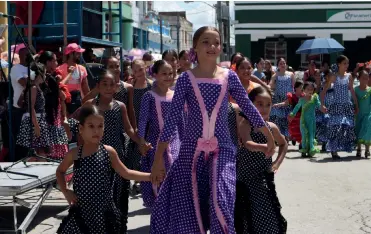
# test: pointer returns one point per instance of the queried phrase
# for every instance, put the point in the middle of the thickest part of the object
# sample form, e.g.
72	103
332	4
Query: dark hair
51	98
341	58
240	61
325	62
147	57
171	52
258	91
298	83
38	68
234	55
104	74
328	73
157	66
258	60
201	31
45	57
278	61
310	81
362	72
182	53
87	111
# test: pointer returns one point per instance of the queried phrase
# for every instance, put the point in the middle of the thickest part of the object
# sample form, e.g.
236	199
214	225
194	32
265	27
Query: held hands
144	147
157	171
323	109
70	197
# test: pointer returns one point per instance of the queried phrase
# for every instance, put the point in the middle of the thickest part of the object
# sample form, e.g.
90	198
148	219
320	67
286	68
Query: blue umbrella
320	46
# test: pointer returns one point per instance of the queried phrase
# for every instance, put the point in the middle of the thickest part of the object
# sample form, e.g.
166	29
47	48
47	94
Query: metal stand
31	152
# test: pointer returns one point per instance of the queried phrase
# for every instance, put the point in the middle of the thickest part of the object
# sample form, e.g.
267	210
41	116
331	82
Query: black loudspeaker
95	70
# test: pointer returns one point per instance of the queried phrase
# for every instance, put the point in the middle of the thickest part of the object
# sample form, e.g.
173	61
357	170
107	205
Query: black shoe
367	153
359	153
300	147
335	155
323	149
304	155
293	142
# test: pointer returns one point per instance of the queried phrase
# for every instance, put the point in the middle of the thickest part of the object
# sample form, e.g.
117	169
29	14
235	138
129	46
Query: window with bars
275	50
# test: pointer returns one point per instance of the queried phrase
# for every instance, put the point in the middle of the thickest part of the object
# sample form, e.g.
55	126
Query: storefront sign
348	16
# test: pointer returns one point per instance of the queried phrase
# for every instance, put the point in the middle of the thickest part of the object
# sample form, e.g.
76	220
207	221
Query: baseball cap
73	47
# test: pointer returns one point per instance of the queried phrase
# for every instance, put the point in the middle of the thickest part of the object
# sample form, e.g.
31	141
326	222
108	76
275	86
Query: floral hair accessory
192	55
233	67
334	68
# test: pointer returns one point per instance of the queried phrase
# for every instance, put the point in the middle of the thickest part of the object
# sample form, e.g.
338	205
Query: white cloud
198	13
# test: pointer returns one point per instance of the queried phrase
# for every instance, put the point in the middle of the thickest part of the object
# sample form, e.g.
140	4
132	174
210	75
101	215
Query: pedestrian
116	122
308	104
341	124
257	208
172	58
184	61
92	208
155	106
363	118
199	190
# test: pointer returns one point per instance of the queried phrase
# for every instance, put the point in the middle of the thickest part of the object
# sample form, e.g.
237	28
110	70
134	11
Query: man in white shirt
18	77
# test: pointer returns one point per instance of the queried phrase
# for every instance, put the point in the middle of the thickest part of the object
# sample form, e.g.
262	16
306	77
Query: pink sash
208	143
160	119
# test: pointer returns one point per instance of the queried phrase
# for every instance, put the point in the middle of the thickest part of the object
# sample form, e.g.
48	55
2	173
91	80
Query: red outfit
294	125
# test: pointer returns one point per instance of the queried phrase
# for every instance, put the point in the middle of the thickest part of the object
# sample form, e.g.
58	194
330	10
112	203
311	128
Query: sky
198	13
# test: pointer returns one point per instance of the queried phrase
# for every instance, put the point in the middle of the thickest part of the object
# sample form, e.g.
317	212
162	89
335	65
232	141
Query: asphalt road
319	196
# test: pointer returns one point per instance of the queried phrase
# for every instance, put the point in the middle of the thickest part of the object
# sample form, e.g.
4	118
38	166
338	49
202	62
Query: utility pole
228	33
220	24
178	32
161	42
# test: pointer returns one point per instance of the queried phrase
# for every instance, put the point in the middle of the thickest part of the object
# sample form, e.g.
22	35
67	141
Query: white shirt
17	72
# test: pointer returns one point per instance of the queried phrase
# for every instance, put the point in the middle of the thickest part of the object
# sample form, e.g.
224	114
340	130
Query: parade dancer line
199	190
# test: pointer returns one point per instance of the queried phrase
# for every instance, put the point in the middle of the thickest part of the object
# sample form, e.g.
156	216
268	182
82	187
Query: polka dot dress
257	209
149	121
58	136
26	136
279	114
341	123
95	211
113	131
133	151
174	211
232	124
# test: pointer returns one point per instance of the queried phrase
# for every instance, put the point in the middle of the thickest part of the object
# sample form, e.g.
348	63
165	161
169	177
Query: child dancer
322	119
116	120
155	106
292	100
257	209
308	105
282	83
36	136
92	205
184	61
54	100
199	190
171	57
363	118
341	124
141	86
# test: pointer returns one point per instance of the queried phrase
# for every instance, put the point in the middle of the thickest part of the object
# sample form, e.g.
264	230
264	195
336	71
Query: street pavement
318	196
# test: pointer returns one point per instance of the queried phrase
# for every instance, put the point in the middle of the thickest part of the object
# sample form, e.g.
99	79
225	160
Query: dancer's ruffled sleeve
240	95
297	107
177	107
145	107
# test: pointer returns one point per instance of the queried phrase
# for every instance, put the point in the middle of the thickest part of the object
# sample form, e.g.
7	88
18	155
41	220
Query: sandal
359	153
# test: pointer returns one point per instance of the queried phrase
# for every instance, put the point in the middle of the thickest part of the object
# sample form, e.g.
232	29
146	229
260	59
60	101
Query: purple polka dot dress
198	192
153	110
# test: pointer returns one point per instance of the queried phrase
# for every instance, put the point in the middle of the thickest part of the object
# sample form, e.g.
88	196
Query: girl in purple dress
154	107
199	190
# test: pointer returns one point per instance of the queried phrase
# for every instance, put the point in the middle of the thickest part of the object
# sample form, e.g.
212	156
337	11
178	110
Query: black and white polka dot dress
134	155
26	132
257	209
95	211
232	124
113	130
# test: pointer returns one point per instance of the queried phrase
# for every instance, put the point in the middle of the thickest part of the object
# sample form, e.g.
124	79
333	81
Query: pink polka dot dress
153	110
199	191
